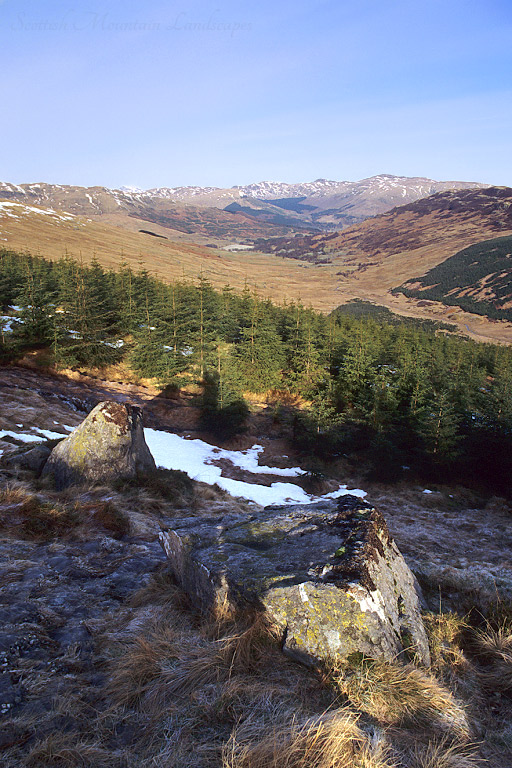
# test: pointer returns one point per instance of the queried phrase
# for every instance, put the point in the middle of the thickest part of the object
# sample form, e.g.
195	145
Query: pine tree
36	300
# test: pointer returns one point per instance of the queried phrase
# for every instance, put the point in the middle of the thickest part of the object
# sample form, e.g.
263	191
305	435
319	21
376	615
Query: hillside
183	219
375	257
43	231
478	279
366	261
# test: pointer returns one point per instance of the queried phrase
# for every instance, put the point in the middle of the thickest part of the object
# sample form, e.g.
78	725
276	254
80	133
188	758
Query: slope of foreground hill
107	664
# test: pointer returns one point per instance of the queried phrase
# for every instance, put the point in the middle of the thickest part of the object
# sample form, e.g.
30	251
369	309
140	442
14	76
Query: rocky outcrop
327	574
108	444
30	458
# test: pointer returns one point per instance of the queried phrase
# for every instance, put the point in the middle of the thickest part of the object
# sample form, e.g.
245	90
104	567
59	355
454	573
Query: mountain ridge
319	205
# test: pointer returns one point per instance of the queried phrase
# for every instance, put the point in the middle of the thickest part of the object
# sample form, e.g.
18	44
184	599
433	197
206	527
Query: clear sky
222	92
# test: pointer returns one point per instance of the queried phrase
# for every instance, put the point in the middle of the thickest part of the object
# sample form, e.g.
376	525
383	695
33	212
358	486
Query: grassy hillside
477	279
365	262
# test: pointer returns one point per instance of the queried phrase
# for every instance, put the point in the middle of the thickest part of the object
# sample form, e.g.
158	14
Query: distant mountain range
323	203
242	212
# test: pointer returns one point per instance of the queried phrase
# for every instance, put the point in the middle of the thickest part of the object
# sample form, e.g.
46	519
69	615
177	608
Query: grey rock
59	563
107	445
8	639
32	458
328	575
70	635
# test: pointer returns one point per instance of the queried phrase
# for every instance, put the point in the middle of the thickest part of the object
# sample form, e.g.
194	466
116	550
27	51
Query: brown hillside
54	234
365	261
381	253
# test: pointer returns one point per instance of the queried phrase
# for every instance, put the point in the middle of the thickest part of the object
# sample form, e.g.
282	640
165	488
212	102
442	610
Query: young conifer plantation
402	393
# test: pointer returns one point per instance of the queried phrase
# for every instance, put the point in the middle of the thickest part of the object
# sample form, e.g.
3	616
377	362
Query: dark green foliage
224	412
488	262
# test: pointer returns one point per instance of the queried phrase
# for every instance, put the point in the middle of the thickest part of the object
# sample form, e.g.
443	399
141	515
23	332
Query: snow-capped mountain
322	205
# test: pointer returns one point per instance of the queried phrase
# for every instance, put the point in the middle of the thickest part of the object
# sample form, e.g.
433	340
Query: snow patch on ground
196	457
26	437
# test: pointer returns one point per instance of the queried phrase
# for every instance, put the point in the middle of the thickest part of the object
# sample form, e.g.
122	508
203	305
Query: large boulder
107	445
328	575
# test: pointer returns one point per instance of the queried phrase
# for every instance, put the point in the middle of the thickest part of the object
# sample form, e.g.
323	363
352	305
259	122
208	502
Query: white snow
6	323
6	208
196	457
114	344
19	436
427	491
30	438
51	435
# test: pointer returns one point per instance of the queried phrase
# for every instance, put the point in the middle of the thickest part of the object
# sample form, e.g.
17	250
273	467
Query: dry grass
64	751
332	740
162	590
106	516
139	663
493	646
30	516
446	633
490	642
401	695
443	754
15	492
41	516
170	484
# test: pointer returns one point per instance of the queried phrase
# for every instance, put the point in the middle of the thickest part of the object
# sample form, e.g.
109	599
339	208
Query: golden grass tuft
444	754
15	493
29	516
140	663
331	740
446	632
61	750
398	695
490	642
493	646
107	516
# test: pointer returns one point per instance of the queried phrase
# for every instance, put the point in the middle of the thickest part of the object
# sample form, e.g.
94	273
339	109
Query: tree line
397	394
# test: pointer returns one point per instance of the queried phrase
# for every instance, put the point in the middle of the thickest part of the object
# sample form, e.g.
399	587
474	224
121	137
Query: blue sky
222	93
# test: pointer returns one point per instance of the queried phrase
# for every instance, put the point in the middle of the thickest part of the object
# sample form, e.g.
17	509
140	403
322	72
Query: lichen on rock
107	445
328	575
